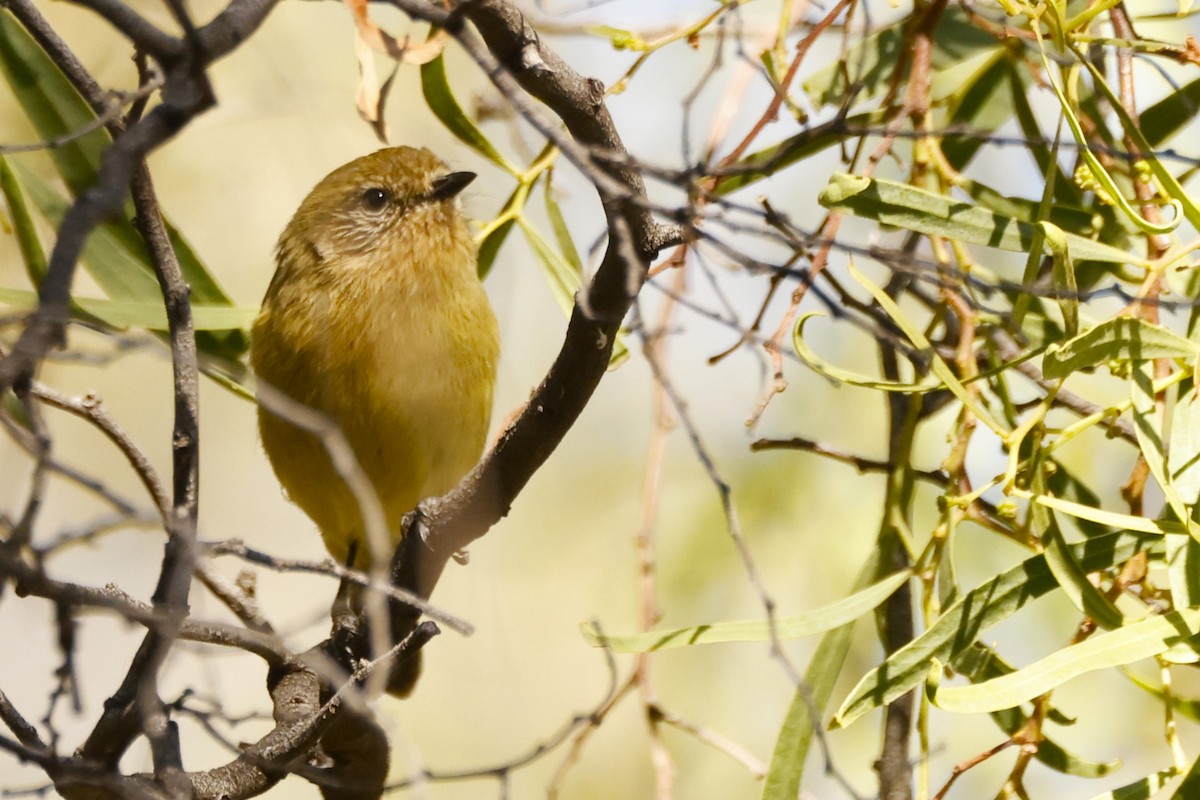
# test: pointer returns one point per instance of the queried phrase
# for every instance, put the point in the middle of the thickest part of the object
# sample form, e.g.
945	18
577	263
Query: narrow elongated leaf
27	239
807	710
1111	519
871	63
1185	447
1189	788
963	622
980	104
489	248
563	278
570	254
903	206
1070	218
980	663
60	114
1168	116
1119	339
1065	567
52	105
113	253
771	160
1142	789
813	622
1142	639
441	101
1149	429
835	373
145	314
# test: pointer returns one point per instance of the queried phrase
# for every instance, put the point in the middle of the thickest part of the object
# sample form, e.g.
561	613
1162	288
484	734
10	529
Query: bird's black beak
448	186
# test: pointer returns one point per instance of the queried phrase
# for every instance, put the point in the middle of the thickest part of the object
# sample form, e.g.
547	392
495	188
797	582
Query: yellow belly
412	393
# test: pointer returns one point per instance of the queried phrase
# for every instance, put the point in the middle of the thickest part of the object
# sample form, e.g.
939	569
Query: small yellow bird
376	318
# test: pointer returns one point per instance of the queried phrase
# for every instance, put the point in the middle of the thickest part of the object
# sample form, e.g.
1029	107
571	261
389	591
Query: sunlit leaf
962	623
903	206
1137	640
813	622
1119	339
1142	789
806	712
148	314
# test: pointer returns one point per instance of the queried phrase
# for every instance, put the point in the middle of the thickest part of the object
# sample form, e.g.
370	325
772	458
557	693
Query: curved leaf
1133	642
820	620
440	98
962	623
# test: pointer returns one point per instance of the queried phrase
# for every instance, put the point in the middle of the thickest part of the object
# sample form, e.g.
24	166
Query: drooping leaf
60	114
807	709
820	620
1137	640
148	314
1065	567
27	238
962	623
441	101
980	663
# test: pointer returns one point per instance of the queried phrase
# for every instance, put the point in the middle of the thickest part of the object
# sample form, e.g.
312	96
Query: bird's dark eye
376	199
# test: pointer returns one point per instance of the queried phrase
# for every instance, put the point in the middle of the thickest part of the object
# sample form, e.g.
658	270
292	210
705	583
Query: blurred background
566	554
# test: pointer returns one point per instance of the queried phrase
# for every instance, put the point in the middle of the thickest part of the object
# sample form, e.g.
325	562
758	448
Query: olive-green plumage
377	319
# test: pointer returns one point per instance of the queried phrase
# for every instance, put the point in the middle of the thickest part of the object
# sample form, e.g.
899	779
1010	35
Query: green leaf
771	160
27	239
1189	788
113	253
870	65
1184	448
1149	429
1072	219
978	104
1142	639
1120	339
52	105
145	314
59	113
962	623
808	705
936	363
1064	275
813	622
1142	789
979	663
563	278
1111	519
1071	576
1167	117
835	373
1170	185
489	248
903	206
441	101
566	246
1188	708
